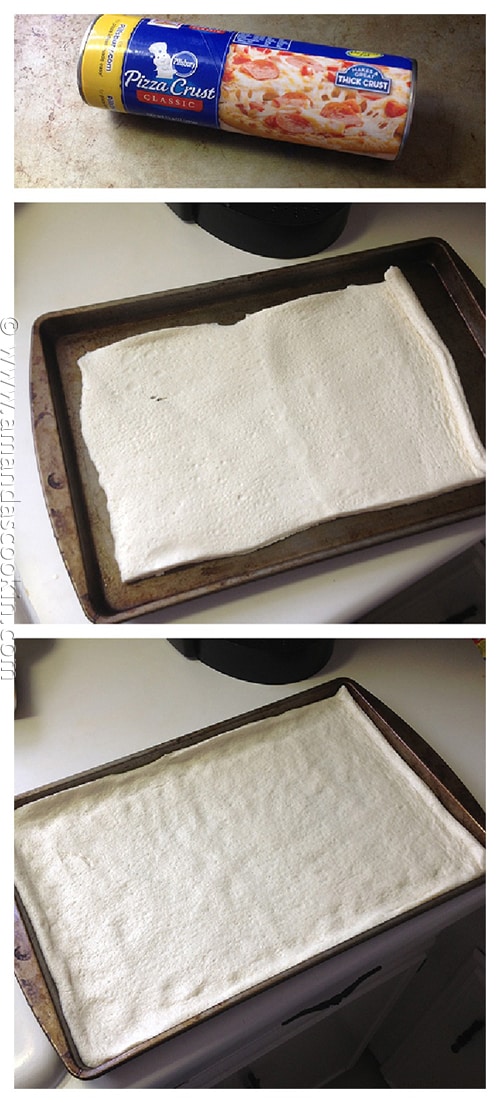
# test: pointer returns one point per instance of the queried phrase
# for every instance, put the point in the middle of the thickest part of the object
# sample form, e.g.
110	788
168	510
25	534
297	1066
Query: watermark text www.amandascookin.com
8	328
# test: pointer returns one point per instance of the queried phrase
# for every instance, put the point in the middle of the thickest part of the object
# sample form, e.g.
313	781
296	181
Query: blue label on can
174	70
262	40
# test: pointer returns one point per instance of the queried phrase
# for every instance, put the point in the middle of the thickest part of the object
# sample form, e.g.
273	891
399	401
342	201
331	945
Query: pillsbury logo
185	63
366	78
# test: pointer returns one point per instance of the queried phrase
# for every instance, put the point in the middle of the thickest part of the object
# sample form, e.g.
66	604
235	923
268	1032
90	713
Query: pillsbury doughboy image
161	59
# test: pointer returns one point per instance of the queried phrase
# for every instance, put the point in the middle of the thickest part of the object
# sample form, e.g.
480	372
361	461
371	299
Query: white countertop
72	254
141	692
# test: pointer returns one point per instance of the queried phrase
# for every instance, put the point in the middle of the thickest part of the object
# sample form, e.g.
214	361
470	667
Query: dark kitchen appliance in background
280	230
270	662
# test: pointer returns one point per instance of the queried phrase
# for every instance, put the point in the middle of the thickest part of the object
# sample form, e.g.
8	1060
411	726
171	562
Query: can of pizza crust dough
349	101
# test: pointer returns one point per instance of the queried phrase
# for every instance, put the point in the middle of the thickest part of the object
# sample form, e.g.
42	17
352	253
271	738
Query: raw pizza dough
162	892
211	440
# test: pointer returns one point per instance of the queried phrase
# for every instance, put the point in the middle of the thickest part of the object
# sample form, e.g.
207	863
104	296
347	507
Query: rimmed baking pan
450	294
31	971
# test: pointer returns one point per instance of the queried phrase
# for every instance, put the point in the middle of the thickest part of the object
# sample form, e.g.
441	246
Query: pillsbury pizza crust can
343	100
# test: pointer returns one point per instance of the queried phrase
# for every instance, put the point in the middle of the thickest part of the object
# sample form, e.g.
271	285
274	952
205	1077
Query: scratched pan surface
31	971
449	293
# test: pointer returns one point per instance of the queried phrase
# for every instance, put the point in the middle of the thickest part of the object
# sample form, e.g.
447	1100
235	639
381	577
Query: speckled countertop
60	142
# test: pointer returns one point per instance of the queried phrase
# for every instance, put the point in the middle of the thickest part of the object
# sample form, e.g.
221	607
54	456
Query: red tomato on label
393	109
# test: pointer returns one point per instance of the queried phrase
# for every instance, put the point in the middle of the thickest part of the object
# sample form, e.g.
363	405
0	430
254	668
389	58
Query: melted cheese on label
302	103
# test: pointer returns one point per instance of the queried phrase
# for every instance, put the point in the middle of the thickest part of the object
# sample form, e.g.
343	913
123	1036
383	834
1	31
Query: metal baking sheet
448	291
30	969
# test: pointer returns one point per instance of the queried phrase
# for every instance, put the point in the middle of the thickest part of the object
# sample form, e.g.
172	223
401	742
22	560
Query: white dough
159	893
211	440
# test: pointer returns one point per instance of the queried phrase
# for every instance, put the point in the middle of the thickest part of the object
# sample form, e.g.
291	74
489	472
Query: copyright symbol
8	326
